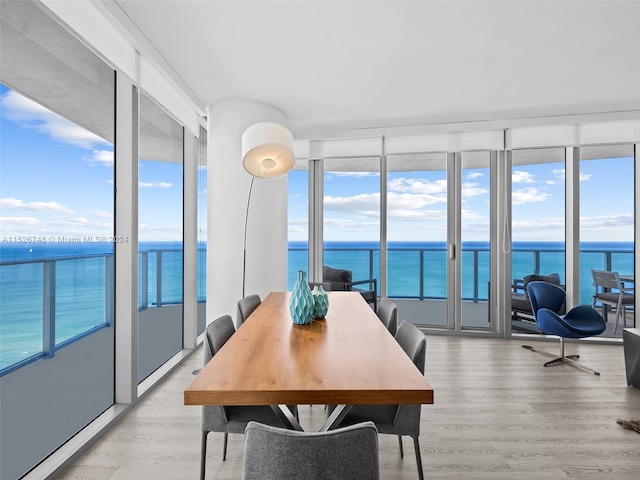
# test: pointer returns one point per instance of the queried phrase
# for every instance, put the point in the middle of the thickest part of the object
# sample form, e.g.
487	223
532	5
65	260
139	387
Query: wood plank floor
498	414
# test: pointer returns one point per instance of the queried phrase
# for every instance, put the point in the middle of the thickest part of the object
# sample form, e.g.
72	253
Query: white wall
227	190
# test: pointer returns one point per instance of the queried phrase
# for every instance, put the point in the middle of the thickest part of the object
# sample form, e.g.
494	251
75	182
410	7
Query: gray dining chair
388	314
246	306
397	420
279	454
227	419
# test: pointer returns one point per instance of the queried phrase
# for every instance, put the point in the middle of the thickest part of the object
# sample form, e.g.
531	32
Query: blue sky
57	180
417	204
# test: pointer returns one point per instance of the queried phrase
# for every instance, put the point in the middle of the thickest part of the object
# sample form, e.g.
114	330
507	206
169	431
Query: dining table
346	358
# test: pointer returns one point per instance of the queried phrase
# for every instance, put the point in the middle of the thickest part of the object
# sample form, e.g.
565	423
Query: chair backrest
326	286
218	332
339	279
413	342
273	453
553	278
604	279
388	314
545	295
246	306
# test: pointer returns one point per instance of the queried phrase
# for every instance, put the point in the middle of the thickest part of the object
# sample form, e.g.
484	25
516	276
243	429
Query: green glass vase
301	302
321	302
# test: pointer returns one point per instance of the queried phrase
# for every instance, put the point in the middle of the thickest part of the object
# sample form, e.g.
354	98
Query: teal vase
321	302
301	302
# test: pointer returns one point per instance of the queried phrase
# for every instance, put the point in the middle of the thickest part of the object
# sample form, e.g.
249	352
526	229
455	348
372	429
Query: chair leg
203	454
416	447
615	327
400	444
224	447
570	359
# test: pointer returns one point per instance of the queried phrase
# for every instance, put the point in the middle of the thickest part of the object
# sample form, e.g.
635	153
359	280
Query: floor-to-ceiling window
298	222
202	229
538	221
160	208
56	253
351	227
417	236
475	229
607	221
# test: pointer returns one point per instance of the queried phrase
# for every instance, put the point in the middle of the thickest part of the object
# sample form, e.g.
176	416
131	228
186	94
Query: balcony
417	273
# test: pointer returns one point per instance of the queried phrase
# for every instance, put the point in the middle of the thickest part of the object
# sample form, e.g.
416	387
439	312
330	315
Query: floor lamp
267	152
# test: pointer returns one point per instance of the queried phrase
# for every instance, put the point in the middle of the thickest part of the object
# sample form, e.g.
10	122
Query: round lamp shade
267	150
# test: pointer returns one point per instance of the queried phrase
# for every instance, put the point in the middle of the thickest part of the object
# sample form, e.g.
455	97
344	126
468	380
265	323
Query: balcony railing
50	303
420	273
42	311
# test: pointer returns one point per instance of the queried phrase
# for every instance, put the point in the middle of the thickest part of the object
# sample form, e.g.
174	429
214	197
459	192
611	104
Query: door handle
452	251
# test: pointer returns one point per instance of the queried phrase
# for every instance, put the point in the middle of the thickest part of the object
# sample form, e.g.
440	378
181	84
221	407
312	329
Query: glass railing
48	304
159	278
415	272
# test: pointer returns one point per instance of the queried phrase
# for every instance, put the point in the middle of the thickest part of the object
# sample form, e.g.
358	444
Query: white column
190	241
227	191
126	253
572	225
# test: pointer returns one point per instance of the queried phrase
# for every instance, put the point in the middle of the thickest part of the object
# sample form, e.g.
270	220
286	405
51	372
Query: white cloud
560	174
16	203
299	221
528	195
367	204
101	157
474	175
522	177
470	189
102	214
470	215
607	221
539	229
142	184
31	221
30	114
413	185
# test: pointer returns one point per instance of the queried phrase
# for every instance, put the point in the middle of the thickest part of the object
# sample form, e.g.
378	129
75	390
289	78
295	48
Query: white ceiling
360	64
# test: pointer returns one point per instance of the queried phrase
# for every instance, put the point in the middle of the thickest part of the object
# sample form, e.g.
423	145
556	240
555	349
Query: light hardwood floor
498	414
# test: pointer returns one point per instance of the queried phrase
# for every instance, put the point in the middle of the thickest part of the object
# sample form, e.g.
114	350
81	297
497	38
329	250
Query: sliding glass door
607	224
538	225
160	285
417	212
351	225
475	261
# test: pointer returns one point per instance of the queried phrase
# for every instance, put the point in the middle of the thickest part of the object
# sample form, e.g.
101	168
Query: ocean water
83	274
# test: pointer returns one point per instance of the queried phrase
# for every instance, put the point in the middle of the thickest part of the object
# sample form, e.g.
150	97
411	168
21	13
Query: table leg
336	417
287	418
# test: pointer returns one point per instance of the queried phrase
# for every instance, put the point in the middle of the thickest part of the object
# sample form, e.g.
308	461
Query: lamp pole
244	243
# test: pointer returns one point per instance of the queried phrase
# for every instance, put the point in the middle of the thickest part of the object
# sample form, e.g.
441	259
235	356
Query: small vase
301	302
321	302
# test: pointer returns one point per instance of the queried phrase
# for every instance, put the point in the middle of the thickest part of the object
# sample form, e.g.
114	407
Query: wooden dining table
347	358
